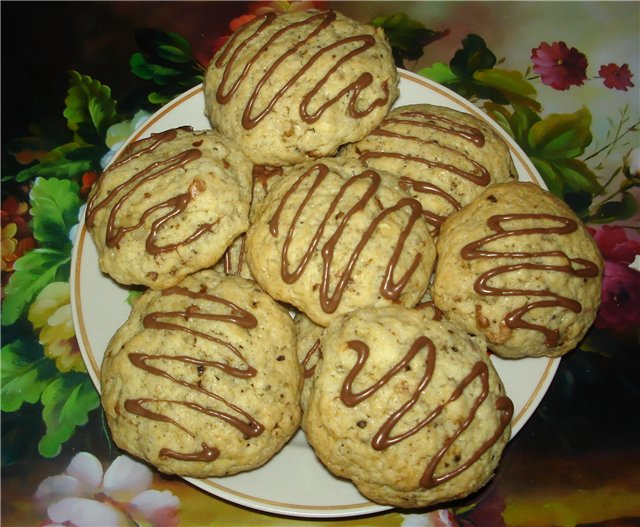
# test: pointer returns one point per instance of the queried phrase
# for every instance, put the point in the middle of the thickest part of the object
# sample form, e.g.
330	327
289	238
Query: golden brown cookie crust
156	214
333	236
293	86
444	157
518	268
203	379
408	408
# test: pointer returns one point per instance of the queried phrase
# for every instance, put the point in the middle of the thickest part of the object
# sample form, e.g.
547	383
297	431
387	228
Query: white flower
118	133
439	518
119	496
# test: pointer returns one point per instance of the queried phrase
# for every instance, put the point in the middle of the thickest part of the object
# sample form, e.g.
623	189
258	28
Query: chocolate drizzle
383	438
478	174
315	24
136	184
389	288
578	267
160	320
314	351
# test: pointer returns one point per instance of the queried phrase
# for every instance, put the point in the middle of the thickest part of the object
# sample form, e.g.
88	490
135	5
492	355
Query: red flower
614	244
616	77
559	66
88	179
620	308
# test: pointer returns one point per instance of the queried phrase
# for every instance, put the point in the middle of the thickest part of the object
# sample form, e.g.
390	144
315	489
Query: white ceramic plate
294	482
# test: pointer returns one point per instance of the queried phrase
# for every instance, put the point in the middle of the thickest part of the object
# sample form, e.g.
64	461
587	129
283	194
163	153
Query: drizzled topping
137	185
151	363
314	352
384	437
389	288
476	174
306	31
579	267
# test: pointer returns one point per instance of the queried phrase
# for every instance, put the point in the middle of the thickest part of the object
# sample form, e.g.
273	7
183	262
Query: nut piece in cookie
293	86
518	268
409	408
203	379
333	236
169	206
443	157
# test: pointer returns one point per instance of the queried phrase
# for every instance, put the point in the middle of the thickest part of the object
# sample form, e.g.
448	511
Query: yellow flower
51	314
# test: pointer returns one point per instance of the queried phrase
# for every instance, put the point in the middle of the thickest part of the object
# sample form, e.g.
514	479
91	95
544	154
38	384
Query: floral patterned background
561	78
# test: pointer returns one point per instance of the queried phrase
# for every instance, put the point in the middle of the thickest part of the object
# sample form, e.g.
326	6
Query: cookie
518	268
170	205
293	86
234	260
444	157
309	349
203	379
333	236
410	409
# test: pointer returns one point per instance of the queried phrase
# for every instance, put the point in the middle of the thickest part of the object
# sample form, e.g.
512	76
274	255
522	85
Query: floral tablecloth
79	77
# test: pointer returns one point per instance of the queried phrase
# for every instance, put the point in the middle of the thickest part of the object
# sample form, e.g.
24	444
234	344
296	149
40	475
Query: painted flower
620	307
51	314
120	496
118	133
87	180
260	8
16	235
616	77
559	66
614	244
438	518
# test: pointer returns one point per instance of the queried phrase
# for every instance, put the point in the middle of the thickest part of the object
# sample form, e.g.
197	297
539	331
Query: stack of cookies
321	259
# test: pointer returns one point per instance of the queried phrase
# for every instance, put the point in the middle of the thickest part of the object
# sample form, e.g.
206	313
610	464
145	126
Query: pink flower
617	77
614	244
119	496
620	308
559	66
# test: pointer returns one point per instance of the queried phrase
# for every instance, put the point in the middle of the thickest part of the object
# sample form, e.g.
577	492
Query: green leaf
438	72
521	121
54	208
66	402
511	84
473	56
32	272
610	211
161	75
577	176
68	163
90	110
25	374
549	175
165	45
407	37
509	81
559	136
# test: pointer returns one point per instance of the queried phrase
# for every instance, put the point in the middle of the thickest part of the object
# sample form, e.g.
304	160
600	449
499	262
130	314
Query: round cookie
333	236
203	379
309	348
234	260
408	408
518	268
293	86
156	214
444	157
